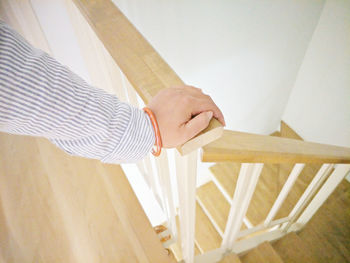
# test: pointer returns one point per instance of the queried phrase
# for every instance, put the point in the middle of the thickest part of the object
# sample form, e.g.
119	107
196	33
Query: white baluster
130	91
166	189
145	165
319	178
329	186
284	192
186	174
247	180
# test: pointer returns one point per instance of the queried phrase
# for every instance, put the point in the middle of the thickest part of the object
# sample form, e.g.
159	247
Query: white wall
59	32
319	105
246	54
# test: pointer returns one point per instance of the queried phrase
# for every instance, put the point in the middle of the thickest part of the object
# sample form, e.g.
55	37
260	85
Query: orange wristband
154	122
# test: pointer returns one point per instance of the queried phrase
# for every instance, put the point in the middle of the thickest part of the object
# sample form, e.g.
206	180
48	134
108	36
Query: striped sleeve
40	97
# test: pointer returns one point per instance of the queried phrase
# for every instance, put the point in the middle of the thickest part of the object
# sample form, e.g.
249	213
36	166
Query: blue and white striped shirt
41	97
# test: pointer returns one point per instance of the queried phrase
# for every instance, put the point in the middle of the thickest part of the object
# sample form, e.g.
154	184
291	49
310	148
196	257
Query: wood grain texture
59	208
226	175
266	190
287	132
292	249
206	236
215	203
230	258
276	134
303	180
265	194
142	65
176	247
327	234
253	148
326	238
262	253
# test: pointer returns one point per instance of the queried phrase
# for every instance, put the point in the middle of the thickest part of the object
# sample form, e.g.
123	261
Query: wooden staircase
326	238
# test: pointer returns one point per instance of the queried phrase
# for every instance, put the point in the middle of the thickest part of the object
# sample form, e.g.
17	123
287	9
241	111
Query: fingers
197	124
207	104
200	102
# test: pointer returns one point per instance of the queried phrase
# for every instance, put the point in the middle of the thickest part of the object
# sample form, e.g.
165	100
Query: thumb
197	124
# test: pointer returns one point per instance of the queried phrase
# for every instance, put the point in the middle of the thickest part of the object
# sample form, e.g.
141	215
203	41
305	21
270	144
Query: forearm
40	97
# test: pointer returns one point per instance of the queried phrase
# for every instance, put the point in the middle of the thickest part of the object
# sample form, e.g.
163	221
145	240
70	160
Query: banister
142	65
252	148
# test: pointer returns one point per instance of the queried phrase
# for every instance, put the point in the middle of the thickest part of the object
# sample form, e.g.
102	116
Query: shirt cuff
137	140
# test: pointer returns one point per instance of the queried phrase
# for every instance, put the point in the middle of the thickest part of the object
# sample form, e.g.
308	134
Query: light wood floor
58	208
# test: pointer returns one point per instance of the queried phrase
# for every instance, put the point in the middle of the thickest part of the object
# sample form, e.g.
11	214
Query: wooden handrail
252	148
141	64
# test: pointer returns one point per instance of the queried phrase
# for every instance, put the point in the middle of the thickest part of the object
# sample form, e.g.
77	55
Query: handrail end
213	132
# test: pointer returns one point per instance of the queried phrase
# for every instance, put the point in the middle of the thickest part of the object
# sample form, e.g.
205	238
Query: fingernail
209	114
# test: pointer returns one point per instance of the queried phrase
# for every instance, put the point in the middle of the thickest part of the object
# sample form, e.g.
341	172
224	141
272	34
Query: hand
182	113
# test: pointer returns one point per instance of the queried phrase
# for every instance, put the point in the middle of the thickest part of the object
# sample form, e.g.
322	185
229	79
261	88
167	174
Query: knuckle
207	97
196	88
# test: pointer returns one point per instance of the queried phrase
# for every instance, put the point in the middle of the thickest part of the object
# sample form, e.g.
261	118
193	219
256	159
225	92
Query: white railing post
284	192
151	179
166	189
129	90
329	186
318	180
247	180
186	175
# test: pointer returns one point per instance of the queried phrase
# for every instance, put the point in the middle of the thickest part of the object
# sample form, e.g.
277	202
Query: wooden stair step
299	187
265	194
214	204
230	258
276	134
303	180
328	232
176	247
206	236
292	249
264	253
226	174
287	132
